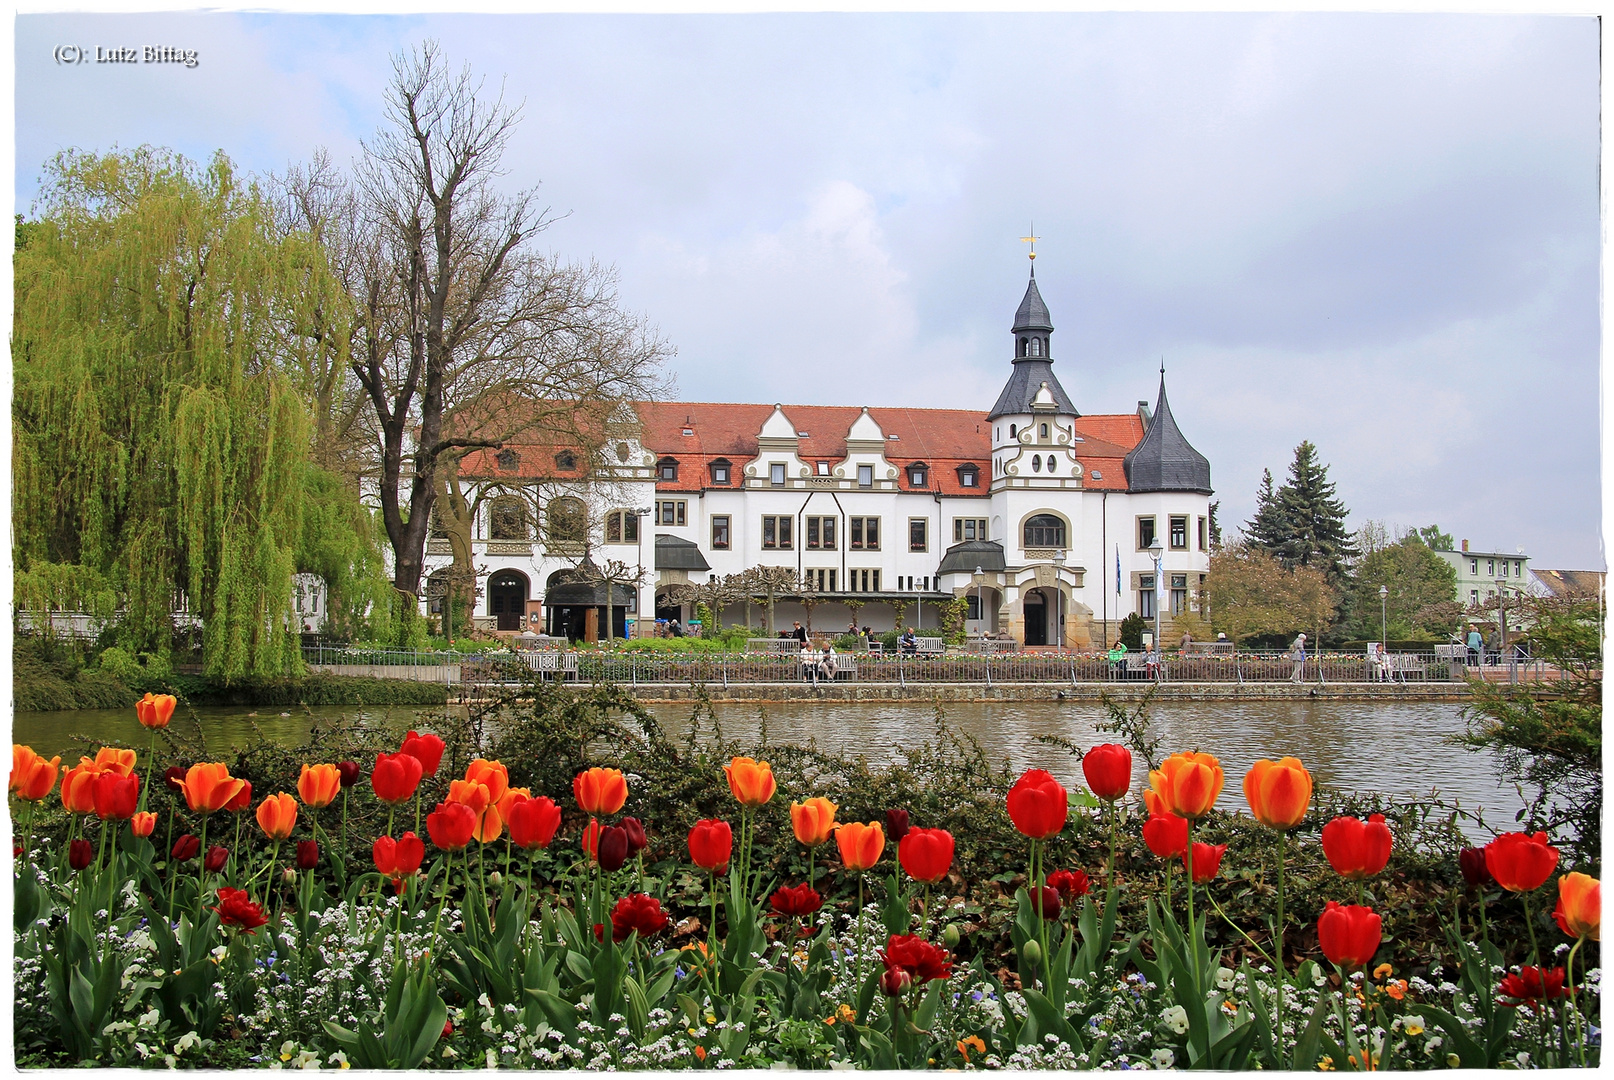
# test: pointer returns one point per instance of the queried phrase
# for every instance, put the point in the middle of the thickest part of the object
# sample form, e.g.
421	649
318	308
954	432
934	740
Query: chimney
1465	547
1143	414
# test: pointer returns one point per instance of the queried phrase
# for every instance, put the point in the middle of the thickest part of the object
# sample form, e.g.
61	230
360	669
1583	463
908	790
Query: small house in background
1480	573
1570	583
309	596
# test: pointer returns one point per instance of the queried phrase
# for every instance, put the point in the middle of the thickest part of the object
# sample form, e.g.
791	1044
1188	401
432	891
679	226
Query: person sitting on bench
827	664
908	643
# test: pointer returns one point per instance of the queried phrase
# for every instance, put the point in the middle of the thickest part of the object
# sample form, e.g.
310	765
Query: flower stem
1283	971
1580	1032
1193	949
201	870
1530	924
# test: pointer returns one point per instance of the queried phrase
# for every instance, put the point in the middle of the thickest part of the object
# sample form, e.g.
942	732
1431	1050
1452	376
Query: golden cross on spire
1032	240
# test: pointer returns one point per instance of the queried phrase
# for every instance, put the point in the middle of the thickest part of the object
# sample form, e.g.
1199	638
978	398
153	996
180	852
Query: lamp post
1501	619
1384	633
1059	598
638	600
980	603
1156	549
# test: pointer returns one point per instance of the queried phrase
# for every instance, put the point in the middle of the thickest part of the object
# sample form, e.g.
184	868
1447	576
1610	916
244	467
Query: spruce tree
1267	530
1312	519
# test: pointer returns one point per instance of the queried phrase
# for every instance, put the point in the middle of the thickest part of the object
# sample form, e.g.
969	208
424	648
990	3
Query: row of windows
1490	568
1177	537
721	470
1179	594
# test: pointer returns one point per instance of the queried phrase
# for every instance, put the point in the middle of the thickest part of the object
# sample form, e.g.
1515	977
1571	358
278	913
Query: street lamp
638	600
980	603
1156	549
1501	619
1384	633
1059	597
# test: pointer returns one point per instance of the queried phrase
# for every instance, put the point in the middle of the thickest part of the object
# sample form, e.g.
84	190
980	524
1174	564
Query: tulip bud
951	936
896	825
348	772
79	854
289	875
1472	863
1031	952
636	837
495	878
215	860
307	854
185	848
895	982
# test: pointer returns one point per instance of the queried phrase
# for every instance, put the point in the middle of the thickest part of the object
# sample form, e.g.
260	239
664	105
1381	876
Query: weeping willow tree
160	456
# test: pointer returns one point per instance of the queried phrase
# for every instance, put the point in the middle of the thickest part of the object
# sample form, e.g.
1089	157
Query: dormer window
776	474
968	476
667	469
1042	431
508	460
720	471
566	460
917	475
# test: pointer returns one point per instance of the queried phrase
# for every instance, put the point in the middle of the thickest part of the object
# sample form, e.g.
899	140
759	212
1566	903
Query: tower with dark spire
1033	361
1164	460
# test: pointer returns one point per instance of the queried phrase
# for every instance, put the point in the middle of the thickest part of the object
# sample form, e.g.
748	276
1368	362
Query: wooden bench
1404	666
845	670
562	665
772	646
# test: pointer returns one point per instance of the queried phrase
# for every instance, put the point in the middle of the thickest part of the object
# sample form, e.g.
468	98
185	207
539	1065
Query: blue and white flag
1117	569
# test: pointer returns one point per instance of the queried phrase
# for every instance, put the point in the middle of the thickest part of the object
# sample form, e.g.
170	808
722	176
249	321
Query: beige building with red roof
1047	521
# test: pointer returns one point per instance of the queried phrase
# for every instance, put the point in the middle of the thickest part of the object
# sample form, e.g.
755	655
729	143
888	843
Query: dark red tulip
637	912
896	825
800	900
1045	902
1349	934
1471	860
215	859
894	982
185	848
1071	885
1166	835
307	854
426	749
613	847
174	778
349	772
79	854
1108	770
236	909
637	840
927	854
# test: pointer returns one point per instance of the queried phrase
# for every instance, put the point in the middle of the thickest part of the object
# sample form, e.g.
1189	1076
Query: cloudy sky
1375	232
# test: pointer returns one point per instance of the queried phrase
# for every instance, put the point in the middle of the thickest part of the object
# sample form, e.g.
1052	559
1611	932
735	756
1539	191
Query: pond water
1404	750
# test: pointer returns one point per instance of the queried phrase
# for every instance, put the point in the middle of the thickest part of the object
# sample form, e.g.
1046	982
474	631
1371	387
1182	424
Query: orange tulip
600	791
143	822
32	777
511	797
1580	906
750	781
277	815
813	820
78	787
1278	792
209	786
476	797
860	844
1188	783
154	710
492	775
112	759
319	785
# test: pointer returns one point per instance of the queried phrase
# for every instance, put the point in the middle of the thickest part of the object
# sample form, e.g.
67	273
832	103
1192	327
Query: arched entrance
1034	615
507	598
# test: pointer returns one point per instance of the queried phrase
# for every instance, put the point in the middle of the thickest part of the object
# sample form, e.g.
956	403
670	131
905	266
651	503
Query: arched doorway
507	598
1034	615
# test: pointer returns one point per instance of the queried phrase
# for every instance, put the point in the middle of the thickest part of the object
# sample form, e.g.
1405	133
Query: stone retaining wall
1121	691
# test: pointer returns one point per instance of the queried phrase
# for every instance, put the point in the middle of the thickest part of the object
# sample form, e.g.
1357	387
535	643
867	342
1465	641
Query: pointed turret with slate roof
1033	364
1164	461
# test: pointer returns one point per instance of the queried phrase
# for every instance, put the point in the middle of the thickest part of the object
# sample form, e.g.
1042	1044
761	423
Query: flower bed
452	904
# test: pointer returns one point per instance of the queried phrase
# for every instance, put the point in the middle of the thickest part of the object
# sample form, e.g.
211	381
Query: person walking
1476	645
1297	653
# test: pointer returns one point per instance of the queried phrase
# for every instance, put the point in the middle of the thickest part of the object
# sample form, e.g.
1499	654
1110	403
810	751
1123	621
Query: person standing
799	633
1493	648
1476	645
1297	653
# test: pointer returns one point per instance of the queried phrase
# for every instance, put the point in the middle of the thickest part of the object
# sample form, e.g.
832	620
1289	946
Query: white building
1057	508
1480	573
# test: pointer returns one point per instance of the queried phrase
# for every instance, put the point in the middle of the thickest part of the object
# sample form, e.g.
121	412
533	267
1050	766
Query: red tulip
800	900
922	961
426	749
236	909
590	840
1471	861
307	854
395	777
1207	860
927	854
1108	769
451	825
1071	885
349	772
637	841
1038	804
116	796
637	912
533	822
1532	984
711	843
143	823
79	854
896	825
243	798
613	847
215	859
1045	902
1357	849
1349	934
1166	835
398	859
186	848
1520	862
